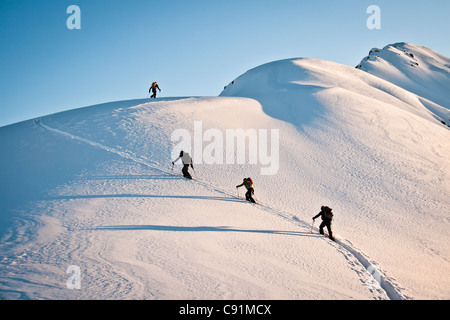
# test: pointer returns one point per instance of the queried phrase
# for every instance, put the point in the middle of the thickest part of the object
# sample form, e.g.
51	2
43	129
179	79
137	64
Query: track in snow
376	278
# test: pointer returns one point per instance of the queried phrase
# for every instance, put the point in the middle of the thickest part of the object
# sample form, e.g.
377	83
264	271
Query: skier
187	161
153	88
327	216
248	183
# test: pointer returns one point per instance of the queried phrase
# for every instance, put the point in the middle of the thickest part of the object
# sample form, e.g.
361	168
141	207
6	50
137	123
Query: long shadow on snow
285	90
134	177
201	229
107	196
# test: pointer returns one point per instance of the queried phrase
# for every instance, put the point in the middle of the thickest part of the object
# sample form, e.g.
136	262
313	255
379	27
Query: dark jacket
153	87
326	213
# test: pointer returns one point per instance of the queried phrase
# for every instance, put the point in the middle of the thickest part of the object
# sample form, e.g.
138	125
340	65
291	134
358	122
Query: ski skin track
392	290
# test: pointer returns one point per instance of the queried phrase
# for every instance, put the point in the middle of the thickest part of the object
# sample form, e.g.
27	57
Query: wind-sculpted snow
225	195
93	209
418	69
392	290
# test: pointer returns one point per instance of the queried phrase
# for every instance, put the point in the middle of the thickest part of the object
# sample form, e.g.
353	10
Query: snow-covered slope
417	69
106	200
372	147
94	188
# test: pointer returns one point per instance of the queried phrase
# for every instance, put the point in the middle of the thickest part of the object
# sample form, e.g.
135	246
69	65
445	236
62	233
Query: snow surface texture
94	188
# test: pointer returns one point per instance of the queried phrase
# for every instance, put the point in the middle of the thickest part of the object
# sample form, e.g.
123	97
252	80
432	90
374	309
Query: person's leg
330	232
185	171
249	197
322	225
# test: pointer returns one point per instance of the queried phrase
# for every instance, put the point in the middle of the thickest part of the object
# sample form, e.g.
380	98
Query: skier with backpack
187	161
248	183
327	216
153	88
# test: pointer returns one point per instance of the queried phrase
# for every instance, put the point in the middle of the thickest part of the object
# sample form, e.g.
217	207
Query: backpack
327	214
249	181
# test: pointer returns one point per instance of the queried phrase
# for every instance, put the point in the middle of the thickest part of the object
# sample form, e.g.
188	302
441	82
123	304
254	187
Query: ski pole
312	225
237	189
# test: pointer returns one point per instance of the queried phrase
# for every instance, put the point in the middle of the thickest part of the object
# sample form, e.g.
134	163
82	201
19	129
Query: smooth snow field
91	207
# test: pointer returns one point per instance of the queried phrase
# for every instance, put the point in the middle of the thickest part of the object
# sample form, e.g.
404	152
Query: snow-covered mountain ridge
417	69
94	188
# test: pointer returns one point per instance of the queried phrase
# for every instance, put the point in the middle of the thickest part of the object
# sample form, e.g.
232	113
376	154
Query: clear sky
191	47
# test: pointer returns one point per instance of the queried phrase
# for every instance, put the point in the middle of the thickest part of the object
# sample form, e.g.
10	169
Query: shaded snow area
91	207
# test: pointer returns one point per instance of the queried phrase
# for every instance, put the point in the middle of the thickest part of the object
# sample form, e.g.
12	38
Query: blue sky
191	47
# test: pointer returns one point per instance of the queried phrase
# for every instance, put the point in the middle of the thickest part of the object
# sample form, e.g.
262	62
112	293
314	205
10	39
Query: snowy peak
417	69
404	55
410	77
304	90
